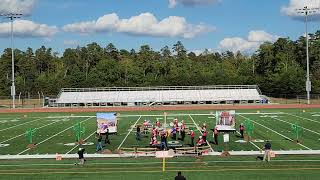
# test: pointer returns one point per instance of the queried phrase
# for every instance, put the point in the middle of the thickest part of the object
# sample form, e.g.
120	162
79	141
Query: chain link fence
293	99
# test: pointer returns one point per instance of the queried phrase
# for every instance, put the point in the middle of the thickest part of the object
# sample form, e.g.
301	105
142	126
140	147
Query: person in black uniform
241	128
183	134
179	177
138	134
81	156
163	143
107	140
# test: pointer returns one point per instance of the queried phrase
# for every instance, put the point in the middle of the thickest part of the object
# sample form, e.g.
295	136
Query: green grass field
54	130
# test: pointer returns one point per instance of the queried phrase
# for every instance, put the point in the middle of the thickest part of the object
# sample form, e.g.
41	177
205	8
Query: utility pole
306	12
12	16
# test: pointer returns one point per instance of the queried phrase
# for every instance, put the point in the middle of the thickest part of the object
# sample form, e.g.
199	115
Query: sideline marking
19	124
25	133
129	132
205	167
53	136
277	132
78	144
172	162
157	171
200	131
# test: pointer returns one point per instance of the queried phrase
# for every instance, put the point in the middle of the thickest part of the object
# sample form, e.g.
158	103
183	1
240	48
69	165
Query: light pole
307	11
12	16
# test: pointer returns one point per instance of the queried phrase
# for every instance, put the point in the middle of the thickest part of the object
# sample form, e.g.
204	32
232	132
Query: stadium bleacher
159	95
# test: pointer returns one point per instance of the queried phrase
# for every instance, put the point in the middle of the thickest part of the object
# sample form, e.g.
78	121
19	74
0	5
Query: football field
54	133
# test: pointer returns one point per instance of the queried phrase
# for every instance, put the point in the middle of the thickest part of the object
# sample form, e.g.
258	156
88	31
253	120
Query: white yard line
304	118
53	136
149	163
19	124
293	124
25	133
200	132
78	144
129	132
251	142
277	132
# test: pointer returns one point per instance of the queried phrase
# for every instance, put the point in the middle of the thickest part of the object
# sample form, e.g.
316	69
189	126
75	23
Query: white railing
159	88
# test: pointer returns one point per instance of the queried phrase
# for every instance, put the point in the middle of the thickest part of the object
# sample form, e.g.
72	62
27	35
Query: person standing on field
215	135
179	176
267	151
192	134
81	156
241	128
99	142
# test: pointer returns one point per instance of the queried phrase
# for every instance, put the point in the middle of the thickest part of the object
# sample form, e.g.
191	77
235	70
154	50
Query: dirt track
160	108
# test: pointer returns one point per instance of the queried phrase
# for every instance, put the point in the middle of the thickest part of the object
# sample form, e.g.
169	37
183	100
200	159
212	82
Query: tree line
278	67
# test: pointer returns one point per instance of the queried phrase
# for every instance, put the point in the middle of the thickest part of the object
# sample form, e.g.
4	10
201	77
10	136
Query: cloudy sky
217	25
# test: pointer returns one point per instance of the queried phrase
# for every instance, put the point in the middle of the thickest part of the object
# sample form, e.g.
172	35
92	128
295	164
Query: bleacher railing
160	88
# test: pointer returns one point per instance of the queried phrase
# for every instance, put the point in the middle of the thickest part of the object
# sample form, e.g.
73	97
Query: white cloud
294	5
201	51
250	44
174	3
261	36
17	6
145	24
70	43
25	28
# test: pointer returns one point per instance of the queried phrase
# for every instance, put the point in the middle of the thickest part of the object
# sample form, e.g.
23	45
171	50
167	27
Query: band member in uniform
241	128
204	136
158	124
215	135
174	133
192	134
200	141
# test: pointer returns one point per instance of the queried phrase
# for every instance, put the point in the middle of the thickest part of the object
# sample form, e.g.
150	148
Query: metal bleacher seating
221	94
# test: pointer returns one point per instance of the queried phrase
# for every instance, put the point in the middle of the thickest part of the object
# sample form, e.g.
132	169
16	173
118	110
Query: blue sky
217	25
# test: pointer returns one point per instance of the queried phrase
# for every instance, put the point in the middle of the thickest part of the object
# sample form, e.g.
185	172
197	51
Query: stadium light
306	12
12	16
